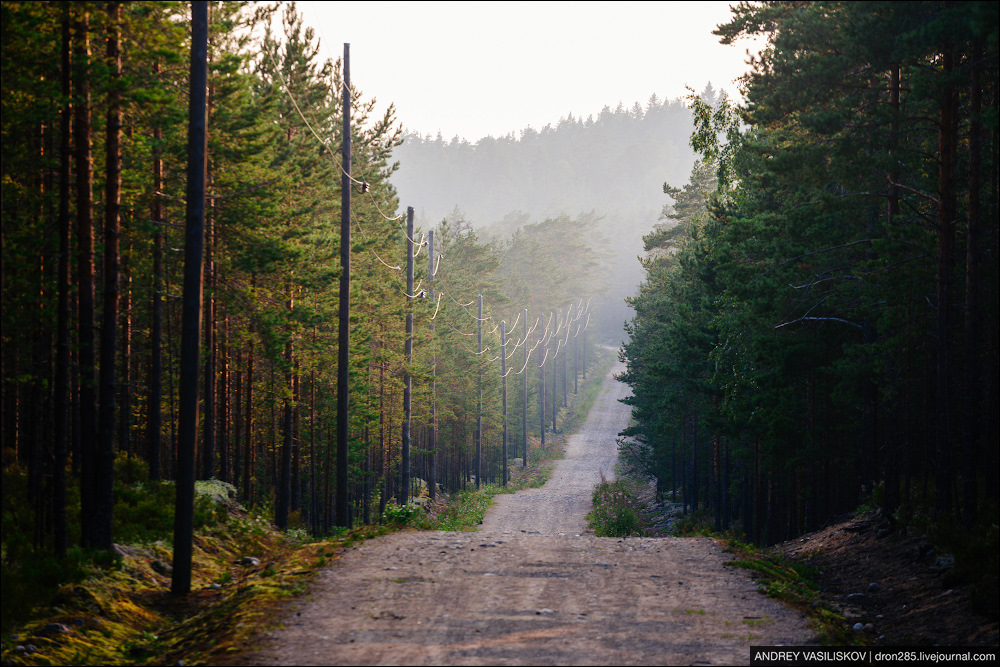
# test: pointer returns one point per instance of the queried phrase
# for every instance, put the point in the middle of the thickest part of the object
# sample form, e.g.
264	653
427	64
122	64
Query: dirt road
533	587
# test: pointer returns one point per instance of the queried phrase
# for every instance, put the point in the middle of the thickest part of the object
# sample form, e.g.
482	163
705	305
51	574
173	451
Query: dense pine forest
95	110
817	327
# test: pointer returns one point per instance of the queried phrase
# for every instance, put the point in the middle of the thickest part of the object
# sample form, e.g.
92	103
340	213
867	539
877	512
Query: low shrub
616	510
401	514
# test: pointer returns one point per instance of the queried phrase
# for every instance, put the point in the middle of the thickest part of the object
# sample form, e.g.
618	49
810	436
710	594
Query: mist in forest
611	168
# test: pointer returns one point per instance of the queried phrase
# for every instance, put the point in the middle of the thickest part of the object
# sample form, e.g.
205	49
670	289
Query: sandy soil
534	587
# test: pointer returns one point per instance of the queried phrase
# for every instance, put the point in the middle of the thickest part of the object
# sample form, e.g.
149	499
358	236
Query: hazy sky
489	68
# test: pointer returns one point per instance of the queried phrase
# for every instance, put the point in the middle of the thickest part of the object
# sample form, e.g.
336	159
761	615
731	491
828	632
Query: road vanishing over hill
534	587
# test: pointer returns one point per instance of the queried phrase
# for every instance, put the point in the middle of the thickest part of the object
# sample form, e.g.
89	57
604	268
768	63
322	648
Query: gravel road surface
534	587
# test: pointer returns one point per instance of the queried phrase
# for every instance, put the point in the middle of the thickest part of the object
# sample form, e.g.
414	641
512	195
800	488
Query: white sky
489	68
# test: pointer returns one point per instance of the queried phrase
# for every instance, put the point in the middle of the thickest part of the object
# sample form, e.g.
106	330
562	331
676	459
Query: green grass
794	583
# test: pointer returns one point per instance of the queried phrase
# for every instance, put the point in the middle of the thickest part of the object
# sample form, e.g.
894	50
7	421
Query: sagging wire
362	184
555	355
438	305
527	359
394	268
375	204
519	343
437	265
372	251
462	332
516	320
465	305
422	241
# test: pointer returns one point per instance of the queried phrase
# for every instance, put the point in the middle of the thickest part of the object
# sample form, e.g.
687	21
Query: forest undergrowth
111	609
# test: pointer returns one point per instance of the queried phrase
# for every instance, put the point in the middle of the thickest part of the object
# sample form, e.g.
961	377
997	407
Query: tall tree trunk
209	422
313	505
971	399
296	490
224	409
104	492
154	410
85	276
125	391
891	496
285	480
694	459
248	458
946	247
238	463
62	399
717	478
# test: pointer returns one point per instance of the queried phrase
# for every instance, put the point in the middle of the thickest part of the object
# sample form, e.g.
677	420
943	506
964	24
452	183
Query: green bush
616	510
144	509
401	514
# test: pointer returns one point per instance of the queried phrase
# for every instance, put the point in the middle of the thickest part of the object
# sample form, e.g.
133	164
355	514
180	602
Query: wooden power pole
524	396
344	323
503	373
432	467
408	381
479	406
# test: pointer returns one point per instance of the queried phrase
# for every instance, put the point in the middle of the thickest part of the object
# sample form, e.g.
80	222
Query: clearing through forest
534	586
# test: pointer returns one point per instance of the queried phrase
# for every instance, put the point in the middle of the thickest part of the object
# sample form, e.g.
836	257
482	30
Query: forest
815	329
817	326
609	167
95	109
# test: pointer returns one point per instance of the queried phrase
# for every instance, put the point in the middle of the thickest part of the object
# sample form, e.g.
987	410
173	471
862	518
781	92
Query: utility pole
432	471
194	242
344	323
576	359
524	396
565	354
479	407
408	381
541	388
555	382
503	372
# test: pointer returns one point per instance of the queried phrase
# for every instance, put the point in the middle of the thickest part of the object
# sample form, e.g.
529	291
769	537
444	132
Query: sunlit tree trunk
85	275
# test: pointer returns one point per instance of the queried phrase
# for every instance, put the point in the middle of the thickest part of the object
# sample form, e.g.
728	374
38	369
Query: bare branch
831	319
914	191
814	252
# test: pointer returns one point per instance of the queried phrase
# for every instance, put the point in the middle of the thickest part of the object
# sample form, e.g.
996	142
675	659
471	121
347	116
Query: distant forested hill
614	165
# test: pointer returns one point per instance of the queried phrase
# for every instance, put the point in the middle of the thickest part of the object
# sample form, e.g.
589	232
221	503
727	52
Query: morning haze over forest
611	168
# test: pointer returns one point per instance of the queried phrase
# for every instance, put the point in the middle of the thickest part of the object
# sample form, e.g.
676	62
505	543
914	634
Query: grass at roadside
465	510
121	612
795	584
